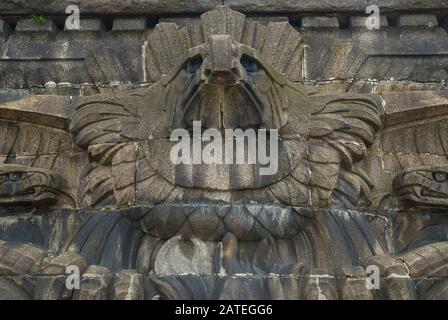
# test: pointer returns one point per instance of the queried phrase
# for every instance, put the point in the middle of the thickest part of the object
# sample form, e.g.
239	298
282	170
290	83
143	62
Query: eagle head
227	85
27	185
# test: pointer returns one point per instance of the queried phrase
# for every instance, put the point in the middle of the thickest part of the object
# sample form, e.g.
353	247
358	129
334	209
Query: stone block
94	25
320	22
128	24
30	25
128	285
423	20
360	23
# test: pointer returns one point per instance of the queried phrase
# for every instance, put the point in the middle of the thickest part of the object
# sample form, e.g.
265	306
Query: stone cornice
164	7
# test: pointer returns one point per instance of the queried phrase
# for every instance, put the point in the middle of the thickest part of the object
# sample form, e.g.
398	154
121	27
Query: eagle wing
107	128
341	130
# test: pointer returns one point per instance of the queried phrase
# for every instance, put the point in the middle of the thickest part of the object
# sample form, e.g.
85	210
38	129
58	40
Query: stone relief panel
91	178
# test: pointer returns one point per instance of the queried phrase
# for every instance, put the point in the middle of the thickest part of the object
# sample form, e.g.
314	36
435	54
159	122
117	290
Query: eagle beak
222	66
222	77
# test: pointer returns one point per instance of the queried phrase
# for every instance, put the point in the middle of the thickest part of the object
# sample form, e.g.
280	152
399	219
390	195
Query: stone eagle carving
423	186
227	72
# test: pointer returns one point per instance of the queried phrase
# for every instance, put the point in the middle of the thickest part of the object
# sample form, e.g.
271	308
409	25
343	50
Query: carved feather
354	122
347	125
108	130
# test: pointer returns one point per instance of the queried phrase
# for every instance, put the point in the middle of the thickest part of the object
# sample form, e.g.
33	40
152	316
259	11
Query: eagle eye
440	176
250	64
15	176
194	64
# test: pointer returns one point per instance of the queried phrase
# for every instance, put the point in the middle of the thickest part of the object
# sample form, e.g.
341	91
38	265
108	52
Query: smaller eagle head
28	185
425	186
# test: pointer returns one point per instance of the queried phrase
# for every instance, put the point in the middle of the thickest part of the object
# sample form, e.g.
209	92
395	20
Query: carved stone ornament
93	180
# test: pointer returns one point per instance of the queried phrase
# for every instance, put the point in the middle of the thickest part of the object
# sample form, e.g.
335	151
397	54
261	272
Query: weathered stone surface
32	109
263	6
129	24
352	284
88	25
360	22
388	265
59	264
389	59
428	261
10	291
321	286
35	7
52	288
95	284
337	55
128	286
416	123
145	6
30	26
71	61
320	22
86	180
18	259
417	20
413	106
